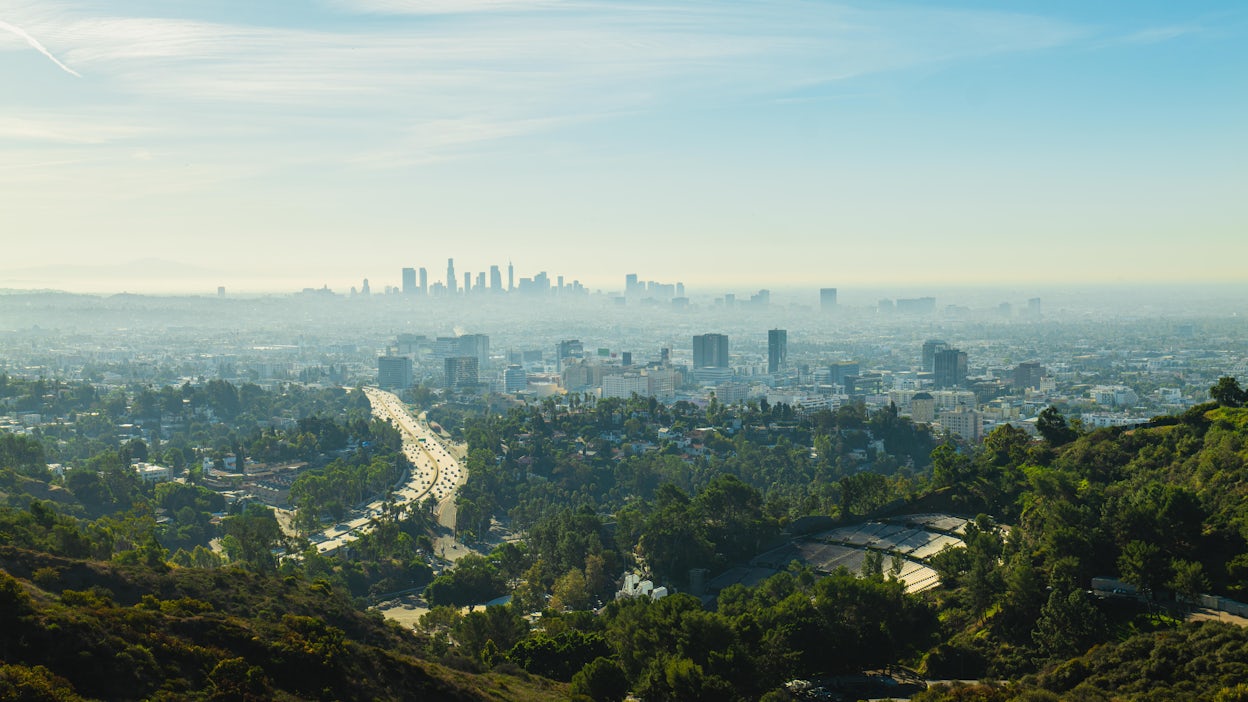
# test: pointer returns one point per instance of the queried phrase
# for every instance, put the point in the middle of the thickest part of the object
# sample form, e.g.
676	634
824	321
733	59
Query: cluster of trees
673	649
74	630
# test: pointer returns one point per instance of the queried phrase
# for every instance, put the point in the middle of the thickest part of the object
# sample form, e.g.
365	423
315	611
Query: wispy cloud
34	43
491	70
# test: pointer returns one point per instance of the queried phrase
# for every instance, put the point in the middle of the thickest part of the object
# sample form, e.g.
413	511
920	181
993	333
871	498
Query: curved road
436	471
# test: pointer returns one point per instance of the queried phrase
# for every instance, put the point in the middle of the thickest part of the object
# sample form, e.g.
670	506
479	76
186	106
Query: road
436	471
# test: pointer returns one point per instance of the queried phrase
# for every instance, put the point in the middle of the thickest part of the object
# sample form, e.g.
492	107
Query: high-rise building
626	358
710	351
630	284
827	299
515	379
511	277
467	282
424	282
930	348
450	275
950	368
568	348
409	281
461	372
364	289
777	350
394	372
496	279
481	281
1028	375
475	345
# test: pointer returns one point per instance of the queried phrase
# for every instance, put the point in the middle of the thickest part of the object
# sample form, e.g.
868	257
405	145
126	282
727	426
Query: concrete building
394	372
710	351
950	368
515	379
625	385
964	422
827	299
777	350
923	408
461	372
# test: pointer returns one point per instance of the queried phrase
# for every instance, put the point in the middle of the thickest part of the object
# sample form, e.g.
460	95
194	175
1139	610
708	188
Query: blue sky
277	145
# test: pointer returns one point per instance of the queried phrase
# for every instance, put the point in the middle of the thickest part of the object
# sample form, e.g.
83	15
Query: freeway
436	471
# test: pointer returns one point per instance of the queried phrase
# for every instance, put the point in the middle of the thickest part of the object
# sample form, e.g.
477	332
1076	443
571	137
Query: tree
1068	624
1053	427
601	680
1143	565
254	534
1228	393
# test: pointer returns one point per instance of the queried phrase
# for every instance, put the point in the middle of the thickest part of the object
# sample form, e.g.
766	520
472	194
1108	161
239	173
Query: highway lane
435	472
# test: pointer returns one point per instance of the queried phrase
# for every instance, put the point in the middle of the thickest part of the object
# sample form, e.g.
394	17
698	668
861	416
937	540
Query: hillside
75	628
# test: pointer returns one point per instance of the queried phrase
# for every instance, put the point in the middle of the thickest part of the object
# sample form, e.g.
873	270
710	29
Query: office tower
364	288
467	282
930	348
475	345
394	372
950	368
761	299
514	379
827	299
461	372
680	289
665	355
917	305
409	281
496	279
777	350
1033	308
626	358
710	351
559	284
568	348
841	371
1028	375
630	284
730	299
450	275
481	281
424	282
511	277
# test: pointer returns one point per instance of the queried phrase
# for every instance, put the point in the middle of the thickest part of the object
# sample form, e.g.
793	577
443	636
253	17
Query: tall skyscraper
950	368
461	372
496	279
777	350
511	277
394	372
364	289
467	282
475	345
827	299
930	348
630	284
409	281
710	351
424	282
568	348
450	276
514	379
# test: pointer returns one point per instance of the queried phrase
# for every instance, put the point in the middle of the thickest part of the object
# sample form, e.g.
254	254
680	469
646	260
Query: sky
177	145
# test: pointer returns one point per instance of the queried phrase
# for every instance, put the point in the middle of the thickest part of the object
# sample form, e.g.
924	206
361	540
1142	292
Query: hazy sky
275	145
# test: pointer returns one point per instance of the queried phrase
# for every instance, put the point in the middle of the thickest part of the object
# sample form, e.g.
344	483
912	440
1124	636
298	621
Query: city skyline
267	149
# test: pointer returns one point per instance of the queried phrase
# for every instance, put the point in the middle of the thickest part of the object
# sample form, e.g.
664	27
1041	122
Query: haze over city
174	147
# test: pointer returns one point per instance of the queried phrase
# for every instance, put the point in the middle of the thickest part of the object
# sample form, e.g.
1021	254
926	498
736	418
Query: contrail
38	47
